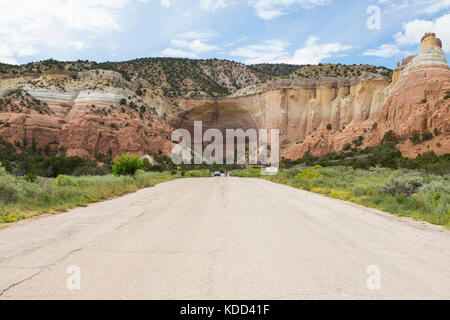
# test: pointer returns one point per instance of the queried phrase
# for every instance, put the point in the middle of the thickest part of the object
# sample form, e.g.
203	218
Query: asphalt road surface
224	238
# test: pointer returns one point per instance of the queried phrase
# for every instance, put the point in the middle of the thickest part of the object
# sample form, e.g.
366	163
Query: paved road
224	238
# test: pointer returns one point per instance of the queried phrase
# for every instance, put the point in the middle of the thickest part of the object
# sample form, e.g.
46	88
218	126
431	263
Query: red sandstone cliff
414	104
86	116
100	112
322	116
417	100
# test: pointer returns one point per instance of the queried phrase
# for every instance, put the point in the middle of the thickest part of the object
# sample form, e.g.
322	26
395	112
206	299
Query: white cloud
179	53
274	51
204	34
166	3
212	5
387	51
190	44
437	6
267	51
414	30
196	46
270	9
28	25
411	35
419	6
313	53
205	5
232	44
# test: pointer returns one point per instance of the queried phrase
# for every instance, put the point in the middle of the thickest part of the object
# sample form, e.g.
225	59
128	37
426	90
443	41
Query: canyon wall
322	116
84	117
298	109
99	111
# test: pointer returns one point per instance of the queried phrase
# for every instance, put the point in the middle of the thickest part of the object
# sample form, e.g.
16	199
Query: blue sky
378	32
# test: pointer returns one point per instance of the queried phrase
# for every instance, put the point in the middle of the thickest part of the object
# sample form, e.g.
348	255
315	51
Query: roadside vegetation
376	177
21	197
32	183
402	192
383	156
25	159
28	160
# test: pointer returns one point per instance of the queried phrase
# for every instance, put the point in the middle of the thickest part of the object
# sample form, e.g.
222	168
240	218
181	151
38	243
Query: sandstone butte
88	115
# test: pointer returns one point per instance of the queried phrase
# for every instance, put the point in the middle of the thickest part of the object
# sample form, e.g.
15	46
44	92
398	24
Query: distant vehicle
217	174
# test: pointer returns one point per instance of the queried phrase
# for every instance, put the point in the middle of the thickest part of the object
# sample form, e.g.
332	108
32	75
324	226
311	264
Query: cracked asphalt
225	238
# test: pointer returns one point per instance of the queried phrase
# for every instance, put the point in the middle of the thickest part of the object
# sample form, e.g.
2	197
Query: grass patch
202	173
403	192
22	198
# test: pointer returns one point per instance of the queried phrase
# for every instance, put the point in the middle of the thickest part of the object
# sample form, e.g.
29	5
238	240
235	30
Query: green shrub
63	181
310	173
388	137
69	181
126	165
347	146
146	165
427	135
329	126
20	199
447	95
139	172
435	186
406	186
402	192
415	138
248	173
9	192
358	142
198	173
374	127
30	178
90	171
387	156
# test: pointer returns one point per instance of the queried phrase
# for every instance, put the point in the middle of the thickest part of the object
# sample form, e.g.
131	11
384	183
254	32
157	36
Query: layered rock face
418	99
298	108
323	116
100	111
413	103
84	117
